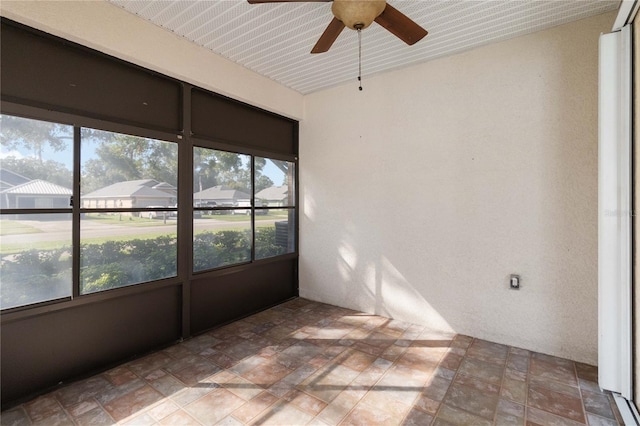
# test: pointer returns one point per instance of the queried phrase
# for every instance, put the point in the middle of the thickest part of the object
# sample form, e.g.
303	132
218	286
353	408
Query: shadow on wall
380	281
370	281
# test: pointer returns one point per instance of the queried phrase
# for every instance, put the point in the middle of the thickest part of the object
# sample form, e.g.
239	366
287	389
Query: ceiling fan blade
328	36
400	25
285	1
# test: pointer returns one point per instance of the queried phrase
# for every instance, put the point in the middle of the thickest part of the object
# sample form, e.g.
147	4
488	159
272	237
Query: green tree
32	168
34	135
162	163
213	168
122	157
263	182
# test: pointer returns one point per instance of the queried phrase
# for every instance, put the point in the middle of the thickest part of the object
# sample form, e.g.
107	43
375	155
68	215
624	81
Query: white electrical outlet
514	282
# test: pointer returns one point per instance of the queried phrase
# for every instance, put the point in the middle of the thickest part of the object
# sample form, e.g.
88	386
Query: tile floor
309	363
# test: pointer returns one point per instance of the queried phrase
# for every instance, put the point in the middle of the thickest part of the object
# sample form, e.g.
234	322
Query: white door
614	214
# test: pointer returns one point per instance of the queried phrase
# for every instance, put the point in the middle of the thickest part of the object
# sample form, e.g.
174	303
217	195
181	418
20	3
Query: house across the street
20	192
35	194
131	194
219	196
274	196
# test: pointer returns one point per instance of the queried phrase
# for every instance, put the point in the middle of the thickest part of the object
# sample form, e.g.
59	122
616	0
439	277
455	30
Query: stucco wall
421	194
109	29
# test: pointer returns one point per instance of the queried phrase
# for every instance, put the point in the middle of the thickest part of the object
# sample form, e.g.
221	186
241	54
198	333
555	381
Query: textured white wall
109	29
421	194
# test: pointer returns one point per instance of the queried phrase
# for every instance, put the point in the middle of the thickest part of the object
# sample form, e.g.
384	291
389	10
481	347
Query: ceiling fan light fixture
357	14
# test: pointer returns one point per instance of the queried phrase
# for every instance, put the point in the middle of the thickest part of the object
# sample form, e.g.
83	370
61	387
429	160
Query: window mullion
252	202
75	213
185	211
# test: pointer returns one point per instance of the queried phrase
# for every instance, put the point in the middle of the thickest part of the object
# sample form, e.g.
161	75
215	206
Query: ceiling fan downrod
359	29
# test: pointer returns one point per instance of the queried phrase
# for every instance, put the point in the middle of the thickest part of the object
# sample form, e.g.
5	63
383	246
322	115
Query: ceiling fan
358	15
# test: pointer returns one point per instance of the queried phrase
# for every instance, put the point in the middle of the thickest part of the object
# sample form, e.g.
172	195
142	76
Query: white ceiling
275	39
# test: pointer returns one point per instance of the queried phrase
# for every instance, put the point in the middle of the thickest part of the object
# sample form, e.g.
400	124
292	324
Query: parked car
166	214
156	214
205	204
247	209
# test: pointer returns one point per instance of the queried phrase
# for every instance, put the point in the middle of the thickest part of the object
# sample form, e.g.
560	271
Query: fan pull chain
360	58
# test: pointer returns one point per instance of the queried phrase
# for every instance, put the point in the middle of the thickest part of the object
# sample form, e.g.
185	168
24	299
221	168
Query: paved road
61	230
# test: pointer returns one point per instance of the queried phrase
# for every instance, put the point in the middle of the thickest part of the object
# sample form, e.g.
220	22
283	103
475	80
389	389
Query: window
275	207
136	241
222	230
36	176
125	223
238	220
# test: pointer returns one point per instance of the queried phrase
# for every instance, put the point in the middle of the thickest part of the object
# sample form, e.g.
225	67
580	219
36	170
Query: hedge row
36	275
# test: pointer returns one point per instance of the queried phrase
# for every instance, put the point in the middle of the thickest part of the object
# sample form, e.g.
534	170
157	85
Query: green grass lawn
6	249
12	227
143	221
115	219
227	217
50	245
242	217
17	228
127	237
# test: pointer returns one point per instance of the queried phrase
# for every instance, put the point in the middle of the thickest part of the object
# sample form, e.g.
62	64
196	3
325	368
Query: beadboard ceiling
274	40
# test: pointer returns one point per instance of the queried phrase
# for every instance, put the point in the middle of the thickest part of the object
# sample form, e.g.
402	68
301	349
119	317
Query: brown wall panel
224	298
45	76
39	352
45	71
216	117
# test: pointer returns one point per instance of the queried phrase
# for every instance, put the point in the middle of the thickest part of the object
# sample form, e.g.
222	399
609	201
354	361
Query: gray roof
166	187
220	193
129	189
9	178
274	193
38	187
142	182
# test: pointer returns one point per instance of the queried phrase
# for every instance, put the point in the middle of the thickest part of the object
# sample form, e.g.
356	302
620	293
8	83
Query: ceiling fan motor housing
357	14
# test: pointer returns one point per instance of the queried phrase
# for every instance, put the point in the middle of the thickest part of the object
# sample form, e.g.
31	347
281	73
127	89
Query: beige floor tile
304	362
214	406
